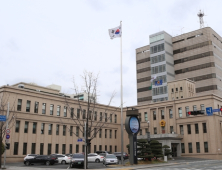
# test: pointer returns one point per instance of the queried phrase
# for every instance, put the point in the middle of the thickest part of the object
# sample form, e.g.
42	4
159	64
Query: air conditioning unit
21	86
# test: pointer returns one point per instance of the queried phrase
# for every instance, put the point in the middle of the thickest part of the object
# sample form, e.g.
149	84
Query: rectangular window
95	116
57	148
154	115
105	147
71	130
65	111
100	147
155	130
95	132
182	148
171	113
162	114
145	116
49	148
181	88
140	133
190	147
198	147
105	133
26	127
50	129
111	118
43	108
95	149
205	147
84	114
110	133
42	128
63	148
176	89
115	119
115	148
70	148
72	113
196	129
83	132
24	148
89	132
77	130
64	130
33	148
110	149
202	108
105	117
171	129
187	110
90	115
17	125
51	109
28	106
36	109
58	110
188	129
83	148
194	108
78	113
100	116
77	148
41	148
19	105
180	112
34	127
100	133
15	148
57	129
181	130
172	90
204	128
115	133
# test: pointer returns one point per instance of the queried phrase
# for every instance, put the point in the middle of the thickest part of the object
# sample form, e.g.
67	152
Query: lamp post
148	133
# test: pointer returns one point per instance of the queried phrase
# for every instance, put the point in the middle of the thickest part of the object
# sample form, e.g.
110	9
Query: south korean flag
115	32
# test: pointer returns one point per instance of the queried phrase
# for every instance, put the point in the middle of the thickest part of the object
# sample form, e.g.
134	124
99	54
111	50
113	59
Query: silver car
110	159
77	160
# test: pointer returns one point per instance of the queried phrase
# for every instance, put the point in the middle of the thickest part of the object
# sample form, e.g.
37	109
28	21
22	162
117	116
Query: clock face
134	124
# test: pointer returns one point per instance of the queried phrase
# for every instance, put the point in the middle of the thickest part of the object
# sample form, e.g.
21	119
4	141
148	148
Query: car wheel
63	162
47	163
27	163
97	160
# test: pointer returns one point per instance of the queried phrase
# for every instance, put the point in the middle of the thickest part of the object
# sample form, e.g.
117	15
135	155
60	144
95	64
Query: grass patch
145	162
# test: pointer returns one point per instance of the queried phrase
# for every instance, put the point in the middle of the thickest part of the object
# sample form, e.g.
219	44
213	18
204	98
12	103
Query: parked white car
30	156
63	159
94	157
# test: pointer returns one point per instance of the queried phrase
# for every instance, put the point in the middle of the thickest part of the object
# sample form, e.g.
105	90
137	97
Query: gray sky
50	41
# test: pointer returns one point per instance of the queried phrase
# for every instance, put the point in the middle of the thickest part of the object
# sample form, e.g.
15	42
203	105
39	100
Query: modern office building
195	55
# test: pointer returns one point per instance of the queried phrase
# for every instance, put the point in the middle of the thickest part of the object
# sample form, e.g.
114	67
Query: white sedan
94	157
63	159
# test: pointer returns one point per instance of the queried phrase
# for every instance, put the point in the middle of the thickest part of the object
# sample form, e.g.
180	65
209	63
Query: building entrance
174	149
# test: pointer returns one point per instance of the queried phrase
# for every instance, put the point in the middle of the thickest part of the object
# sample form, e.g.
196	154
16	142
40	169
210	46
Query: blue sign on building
2	118
158	83
79	140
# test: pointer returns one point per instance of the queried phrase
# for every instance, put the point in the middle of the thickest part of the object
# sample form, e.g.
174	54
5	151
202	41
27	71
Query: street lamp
148	133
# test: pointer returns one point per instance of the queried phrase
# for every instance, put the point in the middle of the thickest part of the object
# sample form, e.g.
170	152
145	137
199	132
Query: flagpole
121	95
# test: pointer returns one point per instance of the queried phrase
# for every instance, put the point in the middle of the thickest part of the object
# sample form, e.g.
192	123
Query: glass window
145	116
63	148
100	133
181	130
204	127
77	148
24	148
50	129
36	107
115	133
95	116
105	133
57	129
84	114
198	147
28	106
72	113
41	148
64	130
19	105
155	130
83	148
164	67
95	149
16	144
77	130
162	114
182	148
58	110
57	148
190	147
205	147
188	129
100	116
43	108
26	127
202	108
83	132
49	148
180	112
51	109
187	110
105	117
154	115
42	128
17	125
110	148
34	127
196	129
65	111
70	148
110	133
95	132
33	148
111	118
100	147
71	130
78	113
194	108
171	113
171	129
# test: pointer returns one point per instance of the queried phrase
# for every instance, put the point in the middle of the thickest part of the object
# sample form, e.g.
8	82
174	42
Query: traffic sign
7	131
2	118
209	111
7	141
79	140
216	110
7	136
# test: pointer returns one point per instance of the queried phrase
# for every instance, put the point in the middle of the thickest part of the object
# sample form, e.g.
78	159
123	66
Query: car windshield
78	156
110	156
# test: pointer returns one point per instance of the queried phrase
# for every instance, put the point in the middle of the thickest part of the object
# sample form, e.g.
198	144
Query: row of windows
199	45
156	38
72	115
206	88
163	78
143	70
158	69
49	148
204	77
196	128
143	60
143	99
158	58
144	79
194	36
198	67
144	89
160	99
159	90
194	57
64	130
156	48
190	148
176	89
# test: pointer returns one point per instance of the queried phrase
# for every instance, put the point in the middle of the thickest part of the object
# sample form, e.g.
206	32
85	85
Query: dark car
118	155
77	160
44	159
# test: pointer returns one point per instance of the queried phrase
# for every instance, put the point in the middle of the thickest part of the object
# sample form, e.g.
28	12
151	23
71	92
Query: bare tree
86	116
4	101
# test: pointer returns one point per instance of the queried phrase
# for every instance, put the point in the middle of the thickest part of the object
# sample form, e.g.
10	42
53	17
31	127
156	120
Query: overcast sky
50	41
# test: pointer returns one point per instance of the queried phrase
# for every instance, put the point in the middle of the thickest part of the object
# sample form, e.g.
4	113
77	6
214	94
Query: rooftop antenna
201	15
